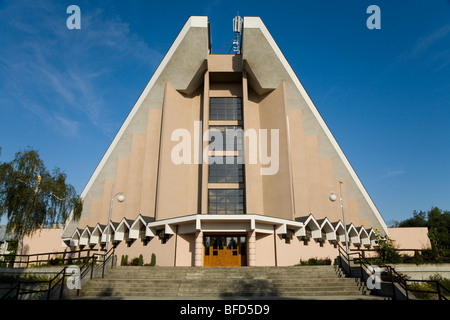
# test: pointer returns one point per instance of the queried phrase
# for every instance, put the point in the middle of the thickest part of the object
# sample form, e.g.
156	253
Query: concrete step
223	282
242	293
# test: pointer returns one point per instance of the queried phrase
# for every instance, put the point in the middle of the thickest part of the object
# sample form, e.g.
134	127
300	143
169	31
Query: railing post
92	266
393	284
62	283
407	293
113	257
438	290
349	264
361	267
49	289
104	263
18	291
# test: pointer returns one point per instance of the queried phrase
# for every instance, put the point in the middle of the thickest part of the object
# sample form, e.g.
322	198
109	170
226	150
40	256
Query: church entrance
225	250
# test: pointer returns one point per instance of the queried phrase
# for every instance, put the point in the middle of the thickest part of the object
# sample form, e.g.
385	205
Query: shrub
140	260
55	261
386	249
315	262
429	287
153	261
124	260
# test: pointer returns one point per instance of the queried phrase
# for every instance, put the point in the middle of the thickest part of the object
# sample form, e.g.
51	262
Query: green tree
419	219
32	197
438	223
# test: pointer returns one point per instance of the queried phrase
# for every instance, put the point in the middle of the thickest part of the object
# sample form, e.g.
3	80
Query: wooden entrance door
225	250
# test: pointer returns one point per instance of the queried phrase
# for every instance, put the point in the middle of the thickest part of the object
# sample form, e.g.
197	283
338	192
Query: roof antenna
237	29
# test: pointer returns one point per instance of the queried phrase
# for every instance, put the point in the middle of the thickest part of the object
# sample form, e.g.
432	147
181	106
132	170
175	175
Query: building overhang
224	223
145	228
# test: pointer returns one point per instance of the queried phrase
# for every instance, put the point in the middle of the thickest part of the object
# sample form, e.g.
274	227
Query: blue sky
385	94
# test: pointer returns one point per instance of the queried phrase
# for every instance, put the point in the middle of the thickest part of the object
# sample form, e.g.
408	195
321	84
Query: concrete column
203	196
252	248
198	259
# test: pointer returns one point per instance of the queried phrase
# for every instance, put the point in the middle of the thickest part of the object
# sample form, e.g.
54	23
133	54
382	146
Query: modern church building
224	160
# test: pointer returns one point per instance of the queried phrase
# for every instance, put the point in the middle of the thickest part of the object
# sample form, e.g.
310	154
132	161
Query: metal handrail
88	265
395	277
108	255
18	287
27	261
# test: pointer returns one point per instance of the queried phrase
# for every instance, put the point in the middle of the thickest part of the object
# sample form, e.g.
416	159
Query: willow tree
32	197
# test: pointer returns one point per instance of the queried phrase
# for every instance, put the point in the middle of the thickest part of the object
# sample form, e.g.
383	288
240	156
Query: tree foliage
386	249
31	196
438	223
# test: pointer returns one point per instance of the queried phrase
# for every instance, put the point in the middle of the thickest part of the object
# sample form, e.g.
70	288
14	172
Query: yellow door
227	251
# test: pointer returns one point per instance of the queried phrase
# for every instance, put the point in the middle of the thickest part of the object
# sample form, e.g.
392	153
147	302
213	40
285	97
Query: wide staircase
223	282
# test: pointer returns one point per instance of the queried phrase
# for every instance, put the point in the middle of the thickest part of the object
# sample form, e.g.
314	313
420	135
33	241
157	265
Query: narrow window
225	109
226	201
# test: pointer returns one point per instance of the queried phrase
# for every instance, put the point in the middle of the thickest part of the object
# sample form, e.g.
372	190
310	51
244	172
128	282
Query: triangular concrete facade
138	161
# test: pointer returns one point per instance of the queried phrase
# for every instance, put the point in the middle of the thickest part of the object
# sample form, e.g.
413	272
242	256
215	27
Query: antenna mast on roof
237	29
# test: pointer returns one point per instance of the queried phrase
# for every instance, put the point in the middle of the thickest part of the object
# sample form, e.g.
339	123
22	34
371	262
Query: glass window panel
229	171
207	245
225	108
232	201
232	138
229	242
234	242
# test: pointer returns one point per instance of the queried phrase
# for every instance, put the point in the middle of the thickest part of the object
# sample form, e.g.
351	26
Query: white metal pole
111	205
343	215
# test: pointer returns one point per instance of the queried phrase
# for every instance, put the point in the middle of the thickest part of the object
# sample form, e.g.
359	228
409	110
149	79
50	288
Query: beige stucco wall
277	194
185	250
135	176
178	184
290	254
164	252
410	238
253	177
42	241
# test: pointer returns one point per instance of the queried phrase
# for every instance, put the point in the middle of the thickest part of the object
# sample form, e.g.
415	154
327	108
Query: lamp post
120	198
333	199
